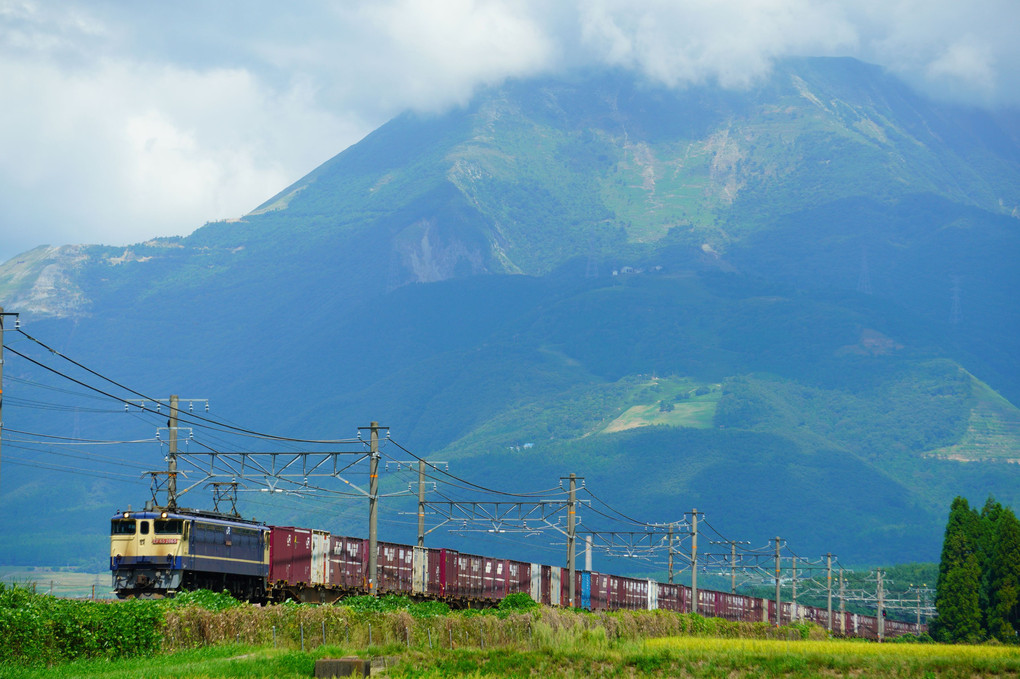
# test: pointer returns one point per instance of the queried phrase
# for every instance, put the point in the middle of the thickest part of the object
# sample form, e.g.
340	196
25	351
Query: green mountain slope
790	307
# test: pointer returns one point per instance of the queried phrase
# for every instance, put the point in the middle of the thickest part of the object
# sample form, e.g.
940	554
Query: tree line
977	595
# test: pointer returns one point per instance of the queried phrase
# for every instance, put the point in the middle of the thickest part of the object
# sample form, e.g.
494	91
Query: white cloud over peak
123	121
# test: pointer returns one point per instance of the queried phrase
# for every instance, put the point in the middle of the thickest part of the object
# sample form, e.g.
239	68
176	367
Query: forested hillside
790	307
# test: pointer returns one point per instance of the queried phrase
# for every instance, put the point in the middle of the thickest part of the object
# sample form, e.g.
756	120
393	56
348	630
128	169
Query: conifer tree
1003	614
985	546
957	592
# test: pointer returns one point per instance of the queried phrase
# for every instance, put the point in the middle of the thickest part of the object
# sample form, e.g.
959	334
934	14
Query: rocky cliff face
43	282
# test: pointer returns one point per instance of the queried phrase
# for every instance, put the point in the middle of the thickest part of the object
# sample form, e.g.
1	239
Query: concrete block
343	667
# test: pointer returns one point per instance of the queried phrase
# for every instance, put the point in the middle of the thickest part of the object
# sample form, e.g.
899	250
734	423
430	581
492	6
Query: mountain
790	307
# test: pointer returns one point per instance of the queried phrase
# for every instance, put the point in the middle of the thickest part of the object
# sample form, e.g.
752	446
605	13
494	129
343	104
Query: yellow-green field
840	658
841	648
695	411
694	414
688	657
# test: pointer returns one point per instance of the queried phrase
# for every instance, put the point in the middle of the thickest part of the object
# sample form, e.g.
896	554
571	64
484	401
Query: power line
73	440
73	470
544	493
191	418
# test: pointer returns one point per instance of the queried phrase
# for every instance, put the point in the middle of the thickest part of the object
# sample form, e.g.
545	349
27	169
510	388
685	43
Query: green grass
665	657
688	408
212	661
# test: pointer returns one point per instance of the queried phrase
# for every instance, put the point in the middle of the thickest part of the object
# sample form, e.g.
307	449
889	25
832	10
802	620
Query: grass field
693	410
667	657
62	583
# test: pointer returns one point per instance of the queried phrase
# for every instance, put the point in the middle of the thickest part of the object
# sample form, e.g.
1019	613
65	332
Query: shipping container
420	571
493	578
320	550
599	592
290	556
518	577
395	568
348	564
465	578
536	582
550	589
442	578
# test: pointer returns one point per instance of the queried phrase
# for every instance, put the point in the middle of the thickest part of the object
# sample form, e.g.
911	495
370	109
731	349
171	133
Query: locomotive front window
144	530
171	527
122	527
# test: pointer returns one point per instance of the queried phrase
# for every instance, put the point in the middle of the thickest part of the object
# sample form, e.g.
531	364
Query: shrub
518	602
38	628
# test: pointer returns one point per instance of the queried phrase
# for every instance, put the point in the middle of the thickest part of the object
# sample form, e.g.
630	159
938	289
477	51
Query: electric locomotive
158	552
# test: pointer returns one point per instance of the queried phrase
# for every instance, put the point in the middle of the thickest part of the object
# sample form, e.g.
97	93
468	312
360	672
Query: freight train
158	552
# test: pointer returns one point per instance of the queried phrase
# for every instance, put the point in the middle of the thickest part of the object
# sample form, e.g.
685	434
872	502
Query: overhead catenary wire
74	470
188	417
82	455
70	440
472	485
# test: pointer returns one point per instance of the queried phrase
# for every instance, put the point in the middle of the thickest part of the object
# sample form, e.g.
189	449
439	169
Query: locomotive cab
146	552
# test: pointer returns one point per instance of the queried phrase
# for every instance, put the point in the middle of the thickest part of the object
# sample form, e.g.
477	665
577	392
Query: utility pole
733	559
171	459
173	436
778	601
694	561
793	599
587	553
373	510
881	616
919	610
671	554
828	589
571	516
421	503
733	566
842	604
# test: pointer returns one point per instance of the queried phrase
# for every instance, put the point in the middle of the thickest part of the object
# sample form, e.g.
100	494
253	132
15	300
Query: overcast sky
121	121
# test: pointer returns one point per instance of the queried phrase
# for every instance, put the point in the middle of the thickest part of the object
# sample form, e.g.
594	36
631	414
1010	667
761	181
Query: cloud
123	121
114	150
731	43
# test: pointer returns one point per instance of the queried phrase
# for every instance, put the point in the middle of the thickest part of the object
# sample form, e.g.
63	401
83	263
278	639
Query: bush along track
426	639
43	629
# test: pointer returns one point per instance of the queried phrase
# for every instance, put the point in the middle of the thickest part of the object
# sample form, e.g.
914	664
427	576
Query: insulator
127	408
207	406
157	407
191	407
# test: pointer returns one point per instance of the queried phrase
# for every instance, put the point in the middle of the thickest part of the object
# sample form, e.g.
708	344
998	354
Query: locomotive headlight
126	515
163	515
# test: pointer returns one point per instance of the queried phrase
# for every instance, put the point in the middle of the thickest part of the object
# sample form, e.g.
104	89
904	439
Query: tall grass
290	625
